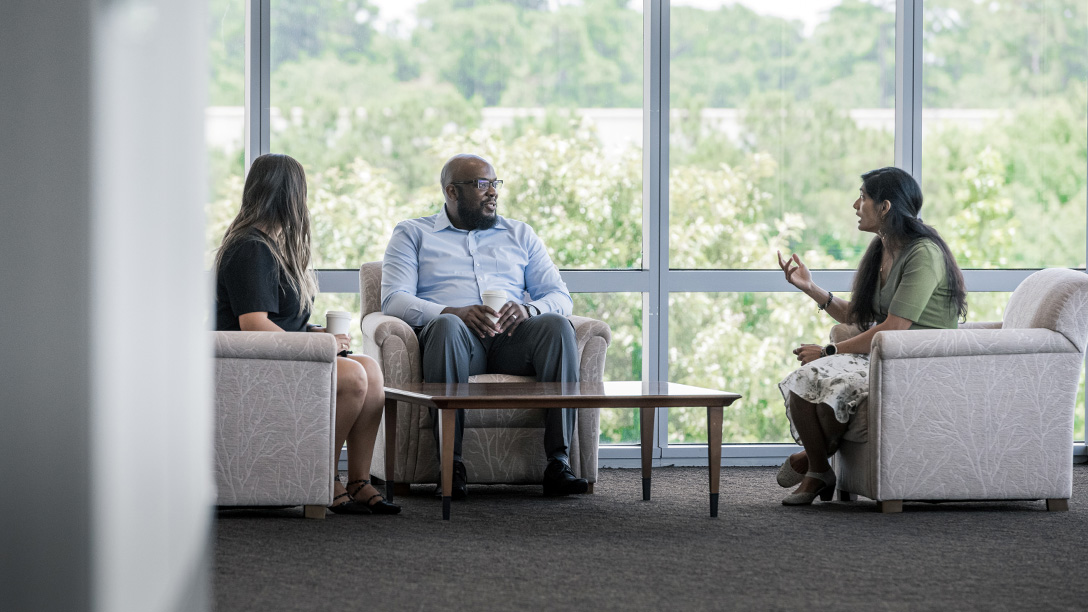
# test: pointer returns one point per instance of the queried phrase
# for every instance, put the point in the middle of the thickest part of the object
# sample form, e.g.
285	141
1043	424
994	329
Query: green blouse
917	289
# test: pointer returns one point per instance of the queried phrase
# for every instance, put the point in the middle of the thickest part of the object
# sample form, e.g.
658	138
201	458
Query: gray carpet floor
508	548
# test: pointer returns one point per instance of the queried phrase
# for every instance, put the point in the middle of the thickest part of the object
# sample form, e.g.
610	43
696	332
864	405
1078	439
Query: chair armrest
921	343
379	327
278	346
981	325
586	328
845	331
592	337
393	344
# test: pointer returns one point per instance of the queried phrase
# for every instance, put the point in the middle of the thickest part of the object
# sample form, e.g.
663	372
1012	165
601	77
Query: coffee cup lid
337	313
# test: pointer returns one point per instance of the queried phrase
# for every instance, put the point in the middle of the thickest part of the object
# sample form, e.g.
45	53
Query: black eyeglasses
481	184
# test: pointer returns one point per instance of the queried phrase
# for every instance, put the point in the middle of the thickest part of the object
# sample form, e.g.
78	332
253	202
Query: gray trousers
542	346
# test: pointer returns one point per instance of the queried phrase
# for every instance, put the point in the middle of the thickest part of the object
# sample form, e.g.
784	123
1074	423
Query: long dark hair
900	227
274	204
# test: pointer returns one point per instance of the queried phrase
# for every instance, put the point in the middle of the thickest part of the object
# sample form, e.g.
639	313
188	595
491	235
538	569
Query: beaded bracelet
830	298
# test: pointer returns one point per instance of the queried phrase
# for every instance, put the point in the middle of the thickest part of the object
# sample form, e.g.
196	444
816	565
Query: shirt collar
442	221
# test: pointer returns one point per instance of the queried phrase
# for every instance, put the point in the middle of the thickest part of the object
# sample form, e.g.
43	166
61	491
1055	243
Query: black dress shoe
560	480
460	482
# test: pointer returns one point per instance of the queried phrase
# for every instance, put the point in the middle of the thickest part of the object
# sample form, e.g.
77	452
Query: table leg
446	433
390	446
646	423
714	453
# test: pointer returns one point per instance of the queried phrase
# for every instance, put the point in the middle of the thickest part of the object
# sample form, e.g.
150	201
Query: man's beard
474	217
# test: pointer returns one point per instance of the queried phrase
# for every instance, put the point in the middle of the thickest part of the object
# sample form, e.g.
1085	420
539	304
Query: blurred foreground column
105	426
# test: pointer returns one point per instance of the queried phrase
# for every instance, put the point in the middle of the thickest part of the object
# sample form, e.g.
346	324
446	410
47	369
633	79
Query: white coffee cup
495	299
337	322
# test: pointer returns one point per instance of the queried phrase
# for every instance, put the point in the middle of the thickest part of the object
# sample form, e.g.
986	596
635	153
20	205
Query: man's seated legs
451	353
543	347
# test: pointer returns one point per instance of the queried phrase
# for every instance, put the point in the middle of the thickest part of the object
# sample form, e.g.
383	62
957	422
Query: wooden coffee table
647	396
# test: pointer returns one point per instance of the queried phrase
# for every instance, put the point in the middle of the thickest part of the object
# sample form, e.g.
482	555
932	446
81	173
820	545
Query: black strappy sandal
350	506
379	507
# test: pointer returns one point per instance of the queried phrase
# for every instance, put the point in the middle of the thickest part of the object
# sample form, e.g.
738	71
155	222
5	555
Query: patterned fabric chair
983	412
500	446
275	402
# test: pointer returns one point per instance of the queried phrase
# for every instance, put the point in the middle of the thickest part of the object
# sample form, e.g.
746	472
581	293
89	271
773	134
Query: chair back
370	287
1054	299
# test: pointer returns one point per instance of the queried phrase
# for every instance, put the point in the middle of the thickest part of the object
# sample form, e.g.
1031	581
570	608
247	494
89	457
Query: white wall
105	436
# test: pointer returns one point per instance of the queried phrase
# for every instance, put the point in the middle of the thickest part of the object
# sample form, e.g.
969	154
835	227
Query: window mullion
908	87
258	78
655	200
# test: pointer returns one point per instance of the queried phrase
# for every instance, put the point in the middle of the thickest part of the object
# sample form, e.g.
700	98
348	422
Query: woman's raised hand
796	271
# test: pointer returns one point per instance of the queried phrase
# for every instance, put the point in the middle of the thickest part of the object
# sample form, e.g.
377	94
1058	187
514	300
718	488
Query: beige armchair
979	413
500	446
275	402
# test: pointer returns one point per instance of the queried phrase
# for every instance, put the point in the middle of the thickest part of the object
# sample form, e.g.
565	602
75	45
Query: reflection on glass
373	97
623	314
1003	124
776	109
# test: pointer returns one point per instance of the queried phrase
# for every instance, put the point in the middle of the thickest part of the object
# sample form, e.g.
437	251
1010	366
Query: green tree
849	60
728	55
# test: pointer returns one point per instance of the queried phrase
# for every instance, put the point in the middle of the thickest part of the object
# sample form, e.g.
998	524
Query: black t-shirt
250	280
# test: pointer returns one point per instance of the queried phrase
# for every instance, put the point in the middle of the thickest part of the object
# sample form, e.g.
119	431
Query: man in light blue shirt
435	272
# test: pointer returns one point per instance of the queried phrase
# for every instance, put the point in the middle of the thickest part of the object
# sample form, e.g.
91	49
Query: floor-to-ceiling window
666	224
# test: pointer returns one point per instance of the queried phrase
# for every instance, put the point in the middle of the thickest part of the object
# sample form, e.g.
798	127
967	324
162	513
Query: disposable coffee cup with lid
337	322
494	298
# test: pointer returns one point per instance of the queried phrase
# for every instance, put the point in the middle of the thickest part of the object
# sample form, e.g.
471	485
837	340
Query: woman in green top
907	279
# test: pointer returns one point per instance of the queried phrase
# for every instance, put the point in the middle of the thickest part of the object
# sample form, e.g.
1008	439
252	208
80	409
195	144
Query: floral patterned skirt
840	381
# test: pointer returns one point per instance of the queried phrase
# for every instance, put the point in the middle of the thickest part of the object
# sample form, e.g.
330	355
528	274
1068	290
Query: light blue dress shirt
430	265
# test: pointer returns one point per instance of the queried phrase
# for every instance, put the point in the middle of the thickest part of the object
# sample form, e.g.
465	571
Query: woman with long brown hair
908	279
264	283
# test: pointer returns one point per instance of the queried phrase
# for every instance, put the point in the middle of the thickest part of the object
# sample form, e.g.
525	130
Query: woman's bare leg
832	428
833	431
364	431
799	462
807	423
351	390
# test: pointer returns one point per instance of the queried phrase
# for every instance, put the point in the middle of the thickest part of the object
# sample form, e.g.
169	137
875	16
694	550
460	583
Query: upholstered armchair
275	402
500	446
983	412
